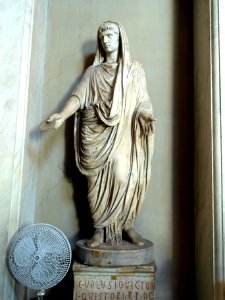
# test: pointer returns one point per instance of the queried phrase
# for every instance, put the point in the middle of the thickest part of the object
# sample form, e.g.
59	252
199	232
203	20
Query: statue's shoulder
89	69
88	72
137	65
93	68
137	68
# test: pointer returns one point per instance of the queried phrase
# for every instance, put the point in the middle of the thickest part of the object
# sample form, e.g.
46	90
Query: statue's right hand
52	123
57	119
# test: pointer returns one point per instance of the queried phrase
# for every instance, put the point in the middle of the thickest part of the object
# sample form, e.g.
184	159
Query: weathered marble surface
113	135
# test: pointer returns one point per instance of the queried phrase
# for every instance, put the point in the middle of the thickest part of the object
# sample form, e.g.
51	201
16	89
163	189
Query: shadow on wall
88	50
64	290
183	210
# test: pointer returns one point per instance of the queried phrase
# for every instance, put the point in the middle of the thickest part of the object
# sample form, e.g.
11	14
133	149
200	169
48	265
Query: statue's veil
125	63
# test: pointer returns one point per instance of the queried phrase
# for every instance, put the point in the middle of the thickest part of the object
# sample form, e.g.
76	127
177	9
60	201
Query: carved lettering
114	296
123	288
114	285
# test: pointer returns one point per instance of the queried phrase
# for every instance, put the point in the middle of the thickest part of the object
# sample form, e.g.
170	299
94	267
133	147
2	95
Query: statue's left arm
145	111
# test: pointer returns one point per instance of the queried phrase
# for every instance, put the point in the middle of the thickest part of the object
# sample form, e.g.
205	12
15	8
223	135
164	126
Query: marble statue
113	136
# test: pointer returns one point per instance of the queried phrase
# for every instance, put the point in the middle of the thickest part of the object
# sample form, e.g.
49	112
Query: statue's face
109	37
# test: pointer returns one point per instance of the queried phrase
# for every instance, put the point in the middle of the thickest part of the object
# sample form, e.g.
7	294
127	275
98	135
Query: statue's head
109	37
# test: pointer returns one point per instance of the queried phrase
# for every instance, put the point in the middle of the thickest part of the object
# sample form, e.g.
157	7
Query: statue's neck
112	57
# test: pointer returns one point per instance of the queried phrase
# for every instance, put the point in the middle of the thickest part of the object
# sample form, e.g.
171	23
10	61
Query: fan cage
39	256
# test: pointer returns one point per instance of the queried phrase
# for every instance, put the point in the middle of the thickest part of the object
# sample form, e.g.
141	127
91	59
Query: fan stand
40	296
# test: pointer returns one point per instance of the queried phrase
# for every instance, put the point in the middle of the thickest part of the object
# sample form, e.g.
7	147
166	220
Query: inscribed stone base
114	283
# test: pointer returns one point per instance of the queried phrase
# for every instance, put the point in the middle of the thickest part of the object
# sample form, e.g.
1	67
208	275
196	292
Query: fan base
39	298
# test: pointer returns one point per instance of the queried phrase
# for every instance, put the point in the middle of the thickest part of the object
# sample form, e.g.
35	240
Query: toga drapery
110	147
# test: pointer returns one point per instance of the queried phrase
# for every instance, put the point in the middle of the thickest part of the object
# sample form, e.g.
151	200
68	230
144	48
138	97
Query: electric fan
39	257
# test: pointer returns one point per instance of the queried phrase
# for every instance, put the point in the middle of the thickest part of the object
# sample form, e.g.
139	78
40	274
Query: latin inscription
118	288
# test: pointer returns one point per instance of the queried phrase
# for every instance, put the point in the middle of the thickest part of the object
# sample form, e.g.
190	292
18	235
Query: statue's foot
97	238
134	237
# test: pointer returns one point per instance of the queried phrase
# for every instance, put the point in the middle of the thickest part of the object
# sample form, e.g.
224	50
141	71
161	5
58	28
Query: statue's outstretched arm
57	119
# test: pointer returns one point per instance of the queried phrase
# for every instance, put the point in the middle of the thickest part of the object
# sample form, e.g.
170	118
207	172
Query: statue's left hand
146	122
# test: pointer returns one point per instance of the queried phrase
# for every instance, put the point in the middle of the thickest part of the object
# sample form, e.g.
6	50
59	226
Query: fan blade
24	251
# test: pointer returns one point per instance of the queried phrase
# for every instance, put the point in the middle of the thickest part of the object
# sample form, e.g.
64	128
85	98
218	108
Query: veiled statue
113	136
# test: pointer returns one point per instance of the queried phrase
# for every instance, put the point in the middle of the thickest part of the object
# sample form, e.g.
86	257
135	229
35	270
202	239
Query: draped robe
110	147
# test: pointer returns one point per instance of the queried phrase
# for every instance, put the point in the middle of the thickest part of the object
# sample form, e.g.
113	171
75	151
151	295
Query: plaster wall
160	37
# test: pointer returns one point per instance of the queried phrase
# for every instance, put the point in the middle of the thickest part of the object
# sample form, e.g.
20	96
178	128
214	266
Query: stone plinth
118	283
126	254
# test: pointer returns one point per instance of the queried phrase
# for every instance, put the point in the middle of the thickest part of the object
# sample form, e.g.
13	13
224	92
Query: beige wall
160	36
33	184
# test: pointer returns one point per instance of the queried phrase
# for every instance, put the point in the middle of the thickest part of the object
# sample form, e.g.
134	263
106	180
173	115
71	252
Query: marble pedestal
119	272
114	283
106	255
